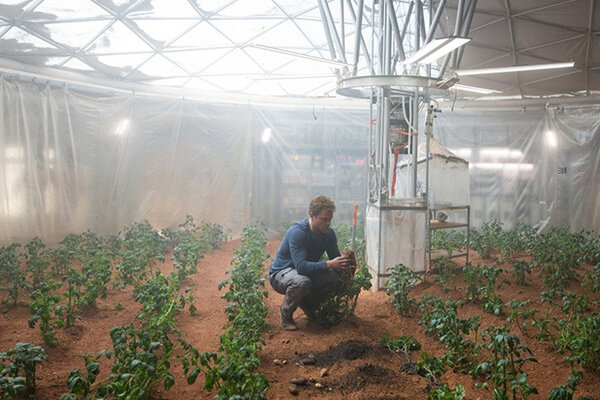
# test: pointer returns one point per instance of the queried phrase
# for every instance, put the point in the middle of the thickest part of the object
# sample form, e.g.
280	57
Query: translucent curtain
539	167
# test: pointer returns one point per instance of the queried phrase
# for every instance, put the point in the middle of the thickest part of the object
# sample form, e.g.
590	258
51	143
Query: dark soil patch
349	350
362	376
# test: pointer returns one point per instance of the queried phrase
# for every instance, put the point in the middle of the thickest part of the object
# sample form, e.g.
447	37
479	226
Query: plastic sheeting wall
539	167
73	160
311	151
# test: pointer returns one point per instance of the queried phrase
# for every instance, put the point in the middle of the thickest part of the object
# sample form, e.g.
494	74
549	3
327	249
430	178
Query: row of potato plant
143	352
232	370
497	361
83	264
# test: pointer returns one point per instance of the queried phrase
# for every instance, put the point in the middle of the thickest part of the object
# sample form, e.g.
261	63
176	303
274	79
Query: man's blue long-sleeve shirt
302	249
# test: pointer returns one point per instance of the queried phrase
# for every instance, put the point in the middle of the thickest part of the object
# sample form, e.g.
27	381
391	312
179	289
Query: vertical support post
415	142
343	28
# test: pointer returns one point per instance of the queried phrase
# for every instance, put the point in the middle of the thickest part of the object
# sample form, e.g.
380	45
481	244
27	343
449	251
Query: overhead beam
363	45
587	49
551	77
332	28
512	42
435	21
470	12
552	24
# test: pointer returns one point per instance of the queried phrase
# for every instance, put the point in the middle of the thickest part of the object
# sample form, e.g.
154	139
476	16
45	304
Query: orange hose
396	153
355	213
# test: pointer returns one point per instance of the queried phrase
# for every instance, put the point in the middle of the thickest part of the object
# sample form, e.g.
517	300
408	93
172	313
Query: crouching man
296	271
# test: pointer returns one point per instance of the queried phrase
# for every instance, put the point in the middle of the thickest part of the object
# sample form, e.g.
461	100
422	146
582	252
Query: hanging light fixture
435	49
516	68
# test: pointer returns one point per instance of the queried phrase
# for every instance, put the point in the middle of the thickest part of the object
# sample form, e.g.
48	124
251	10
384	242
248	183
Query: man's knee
300	283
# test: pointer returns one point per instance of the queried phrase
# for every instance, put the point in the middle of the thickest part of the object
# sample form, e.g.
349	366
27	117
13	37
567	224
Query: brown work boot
287	322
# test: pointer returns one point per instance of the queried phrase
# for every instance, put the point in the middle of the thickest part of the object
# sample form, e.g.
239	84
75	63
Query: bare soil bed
343	362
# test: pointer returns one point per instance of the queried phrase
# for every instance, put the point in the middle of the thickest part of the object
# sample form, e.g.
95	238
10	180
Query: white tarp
540	167
73	159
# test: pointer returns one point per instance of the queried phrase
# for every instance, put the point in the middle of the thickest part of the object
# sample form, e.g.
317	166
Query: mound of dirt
349	350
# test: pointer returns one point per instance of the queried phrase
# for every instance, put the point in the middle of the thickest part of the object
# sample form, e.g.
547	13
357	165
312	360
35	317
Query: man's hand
338	263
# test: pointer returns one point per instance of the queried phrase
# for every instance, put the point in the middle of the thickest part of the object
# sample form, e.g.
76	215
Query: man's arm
299	254
332	248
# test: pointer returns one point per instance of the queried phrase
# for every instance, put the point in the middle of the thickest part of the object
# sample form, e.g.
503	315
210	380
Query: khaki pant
302	290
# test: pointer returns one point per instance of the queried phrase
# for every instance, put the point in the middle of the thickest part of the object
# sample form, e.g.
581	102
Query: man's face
320	223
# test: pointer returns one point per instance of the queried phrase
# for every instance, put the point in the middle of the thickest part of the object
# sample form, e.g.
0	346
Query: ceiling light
551	139
266	135
289	77
475	89
436	49
517	68
299	55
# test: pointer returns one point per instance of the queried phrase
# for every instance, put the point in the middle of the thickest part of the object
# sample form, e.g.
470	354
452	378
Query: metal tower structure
411	60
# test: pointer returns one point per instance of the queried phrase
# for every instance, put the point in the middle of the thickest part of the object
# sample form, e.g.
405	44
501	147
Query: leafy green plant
441	318
342	301
520	313
36	263
83	386
23	360
212	234
10	387
488	240
67	313
61	259
402	280
503	368
97	273
401	345
544	324
567	391
520	268
187	253
445	270
42	305
448	239
12	277
443	392
581	335
473	277
431	367
590	247
492	302
140	361
575	303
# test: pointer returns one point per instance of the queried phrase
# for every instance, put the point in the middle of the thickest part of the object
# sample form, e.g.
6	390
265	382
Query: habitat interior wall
73	160
76	159
539	167
309	151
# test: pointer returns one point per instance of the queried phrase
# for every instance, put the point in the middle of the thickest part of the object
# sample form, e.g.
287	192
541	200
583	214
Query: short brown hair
320	203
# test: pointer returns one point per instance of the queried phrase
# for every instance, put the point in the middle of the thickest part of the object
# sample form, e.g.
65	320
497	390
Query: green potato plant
402	280
503	366
19	375
12	277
